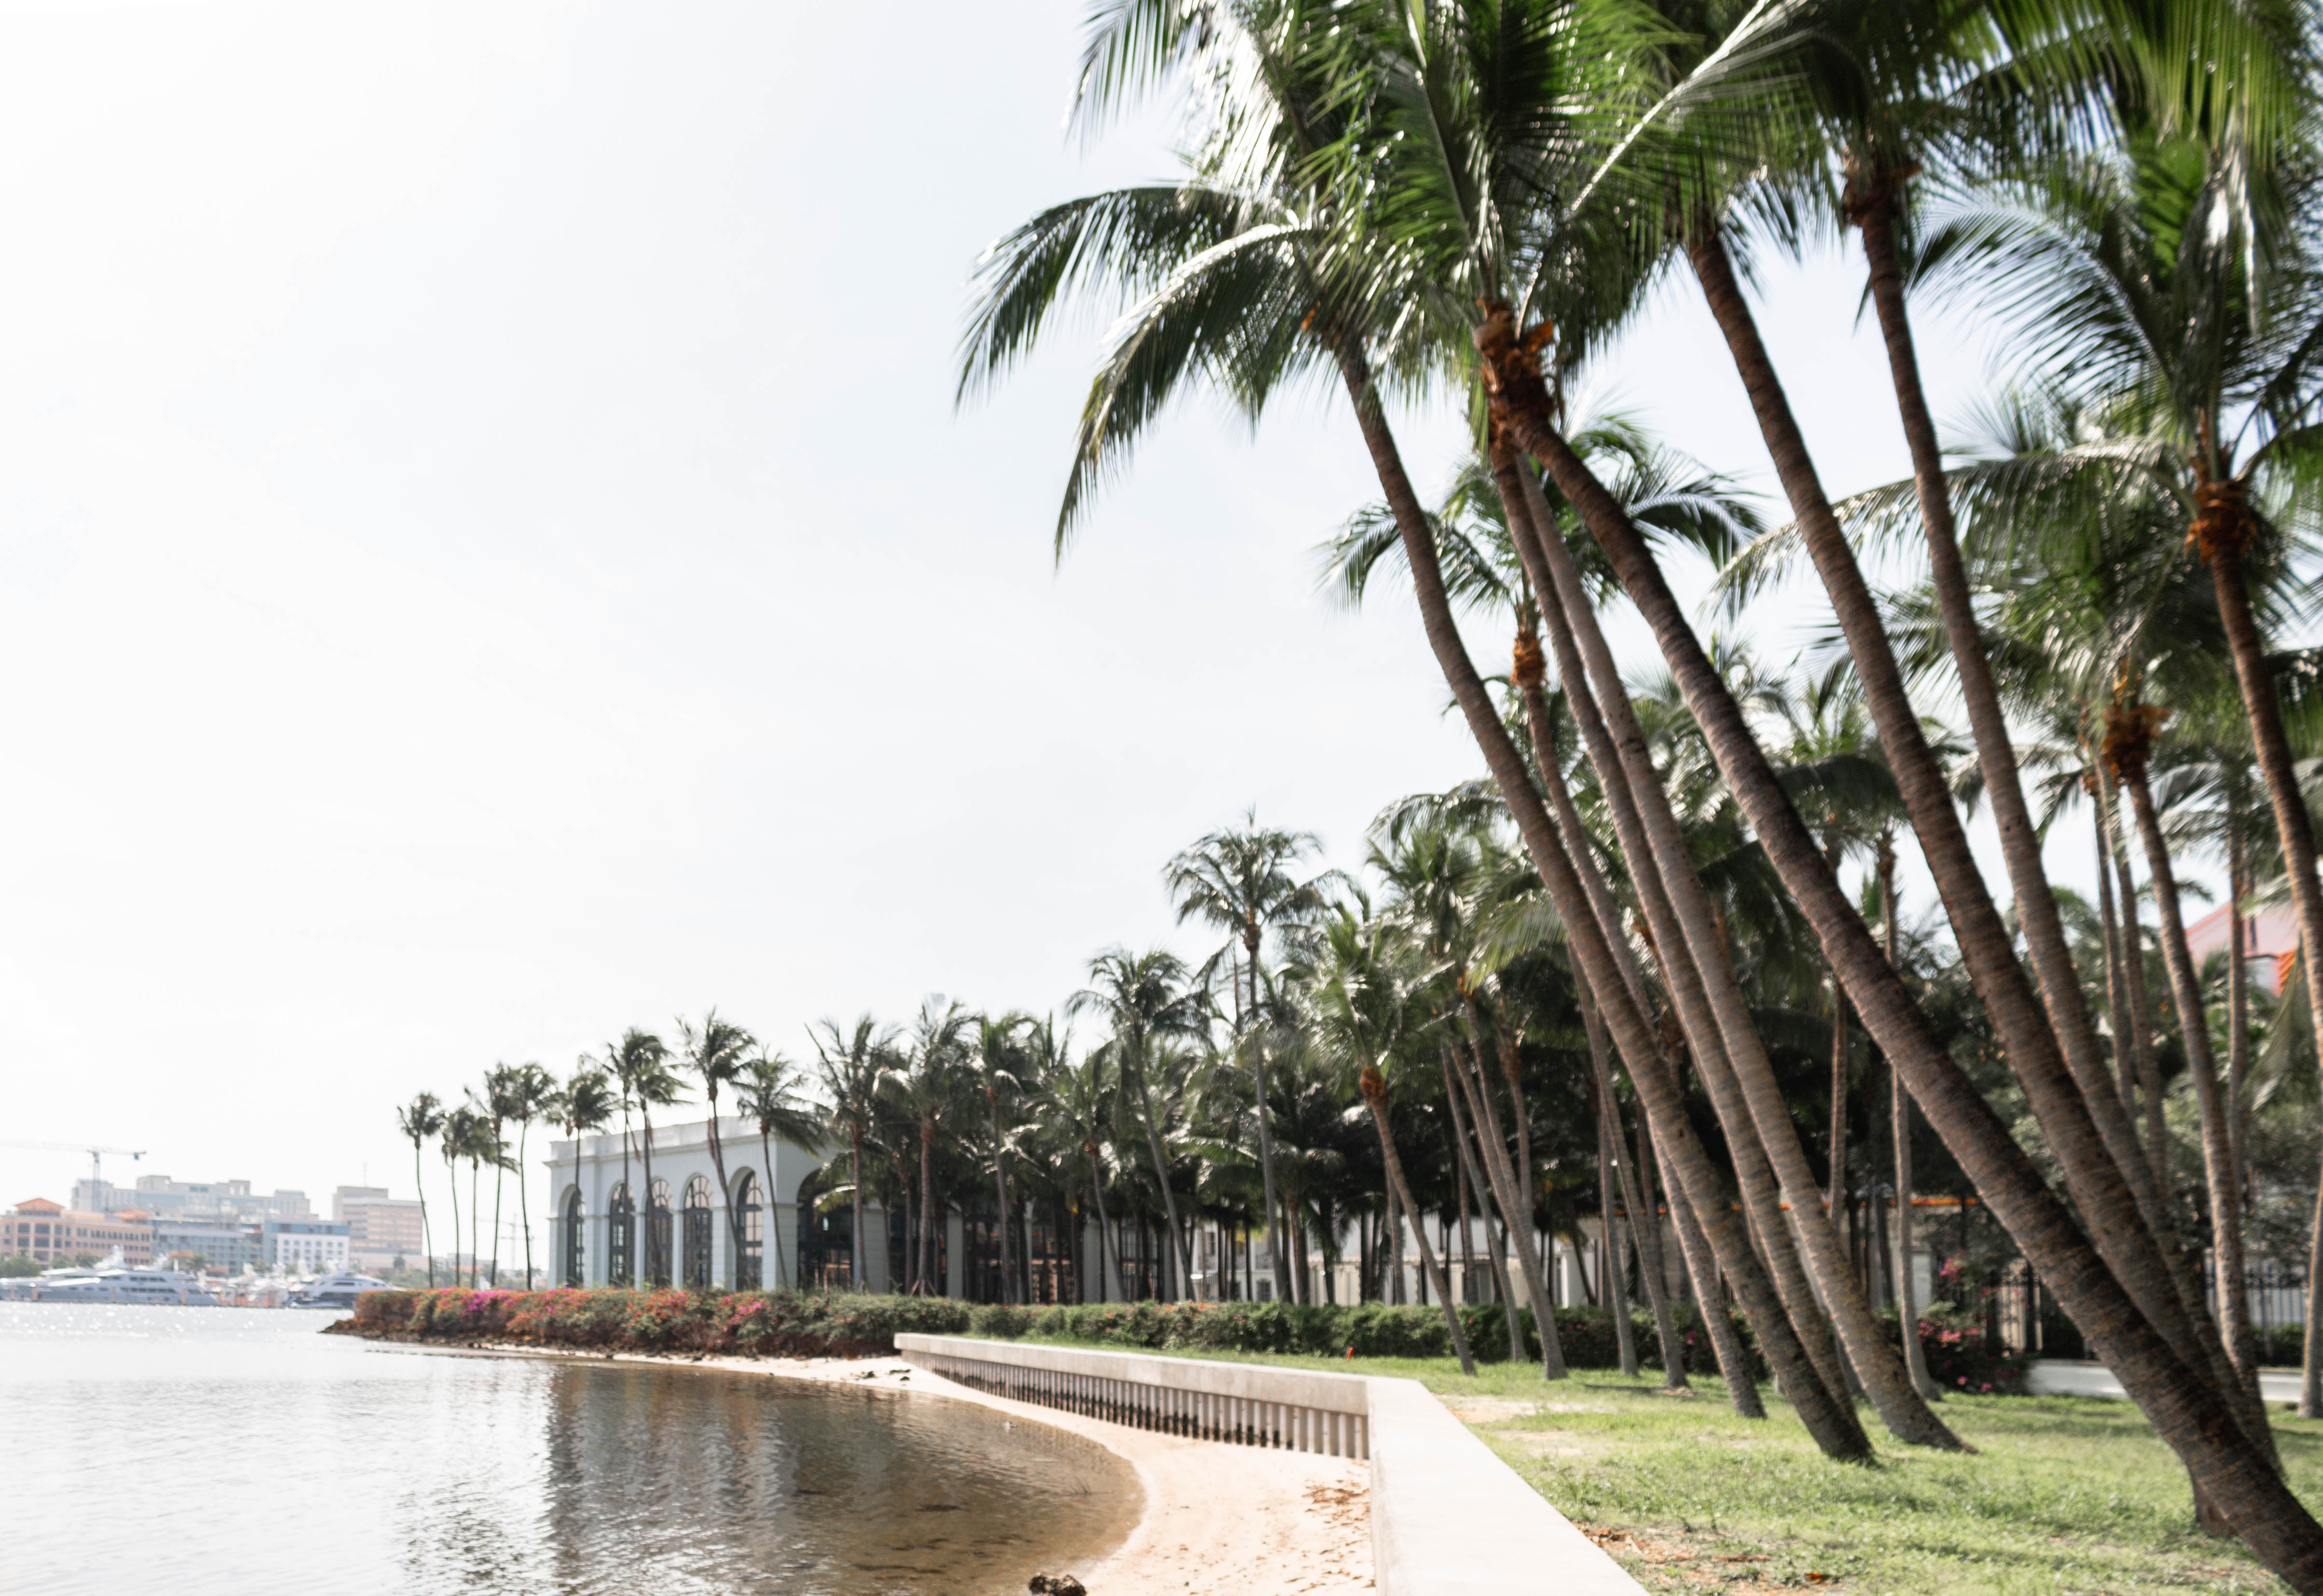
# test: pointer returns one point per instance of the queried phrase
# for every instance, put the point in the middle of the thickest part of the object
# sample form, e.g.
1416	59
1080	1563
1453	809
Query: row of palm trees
1469	199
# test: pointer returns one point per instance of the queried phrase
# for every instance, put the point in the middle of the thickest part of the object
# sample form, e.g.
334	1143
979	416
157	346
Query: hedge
761	1323
801	1324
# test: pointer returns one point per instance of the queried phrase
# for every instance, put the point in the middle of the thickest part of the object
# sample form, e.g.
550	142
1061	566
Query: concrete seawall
1447	1517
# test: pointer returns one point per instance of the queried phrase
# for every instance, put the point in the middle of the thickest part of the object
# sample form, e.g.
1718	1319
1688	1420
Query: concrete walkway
2056	1377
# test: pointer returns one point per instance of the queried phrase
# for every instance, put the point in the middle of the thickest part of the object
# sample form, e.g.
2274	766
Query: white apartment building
305	1247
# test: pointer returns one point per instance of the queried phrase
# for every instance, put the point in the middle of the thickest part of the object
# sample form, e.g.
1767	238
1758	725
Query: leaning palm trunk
1527	670
1374	1090
1643	1220
1470	1176
2124	1056
2064	1080
2194	1032
725	1192
2222	530
770	1227
1477	1091
1708	1000
2184	1402
1830	1422
1161	1179
2141	1009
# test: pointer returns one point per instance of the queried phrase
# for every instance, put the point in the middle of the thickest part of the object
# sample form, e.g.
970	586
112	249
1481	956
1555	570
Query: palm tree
717	1053
1253	272
499	1103
532	1093
853	1064
1082	1101
1145	1002
1243	882
999	1067
419	1119
640	1064
584	1103
772	1098
926	1081
1365	1014
458	1132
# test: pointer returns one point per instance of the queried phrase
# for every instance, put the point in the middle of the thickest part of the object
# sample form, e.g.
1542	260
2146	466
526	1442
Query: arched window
622	1227
826	1240
697	1234
575	1256
657	1228
750	1268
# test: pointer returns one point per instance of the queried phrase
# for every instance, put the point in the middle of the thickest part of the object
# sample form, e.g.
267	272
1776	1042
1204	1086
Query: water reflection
223	1450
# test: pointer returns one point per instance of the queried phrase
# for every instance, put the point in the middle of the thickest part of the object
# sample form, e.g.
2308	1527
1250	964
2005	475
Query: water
227	1450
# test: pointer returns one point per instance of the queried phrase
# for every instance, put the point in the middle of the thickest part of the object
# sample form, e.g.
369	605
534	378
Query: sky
489	556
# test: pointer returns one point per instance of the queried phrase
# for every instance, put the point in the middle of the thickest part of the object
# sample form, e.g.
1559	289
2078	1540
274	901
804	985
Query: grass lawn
2065	1493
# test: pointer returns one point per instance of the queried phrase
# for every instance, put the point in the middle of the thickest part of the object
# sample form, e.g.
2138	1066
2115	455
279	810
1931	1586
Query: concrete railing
1248	1404
1448	1517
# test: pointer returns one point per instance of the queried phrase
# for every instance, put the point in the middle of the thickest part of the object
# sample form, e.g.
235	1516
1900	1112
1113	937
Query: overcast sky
488	557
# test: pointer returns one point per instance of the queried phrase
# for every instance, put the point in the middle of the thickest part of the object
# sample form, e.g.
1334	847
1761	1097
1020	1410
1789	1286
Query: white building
381	1229
305	1247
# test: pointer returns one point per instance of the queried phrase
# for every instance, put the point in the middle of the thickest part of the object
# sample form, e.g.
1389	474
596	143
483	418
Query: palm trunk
2062	1078
1608	917
2221	531
452	1167
1162	1169
770	1226
1104	1234
1832	1425
1376	1096
419	1185
2237	1015
2184	1402
1617	1288
1641	1209
1250	942
1710	1303
1465	1175
2194	1032
523	1204
1477	1091
855	1242
1874	210
926	1282
1000	1182
496	1204
2141	1013
657	1267
475	1214
2124	1052
725	1191
1812	1272
1899	1109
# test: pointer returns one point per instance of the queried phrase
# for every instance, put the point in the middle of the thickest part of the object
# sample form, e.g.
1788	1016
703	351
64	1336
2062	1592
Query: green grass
2064	1493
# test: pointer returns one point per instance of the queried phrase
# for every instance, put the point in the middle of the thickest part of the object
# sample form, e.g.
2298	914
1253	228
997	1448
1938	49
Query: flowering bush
781	1324
1960	1358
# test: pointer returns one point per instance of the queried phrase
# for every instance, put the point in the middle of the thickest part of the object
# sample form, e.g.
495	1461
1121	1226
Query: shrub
1000	1323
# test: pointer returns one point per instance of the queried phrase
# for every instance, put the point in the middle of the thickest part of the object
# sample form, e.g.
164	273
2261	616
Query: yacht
338	1291
166	1287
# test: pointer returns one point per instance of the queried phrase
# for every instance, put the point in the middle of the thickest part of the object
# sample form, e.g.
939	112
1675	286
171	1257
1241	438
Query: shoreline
1217	1518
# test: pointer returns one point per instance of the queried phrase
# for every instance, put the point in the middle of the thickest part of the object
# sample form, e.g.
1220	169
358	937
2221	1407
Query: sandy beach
1217	1518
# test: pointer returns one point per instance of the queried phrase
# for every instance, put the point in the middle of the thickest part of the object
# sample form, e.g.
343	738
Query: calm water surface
231	1450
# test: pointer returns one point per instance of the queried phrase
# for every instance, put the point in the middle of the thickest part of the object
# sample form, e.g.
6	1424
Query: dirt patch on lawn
1666	1560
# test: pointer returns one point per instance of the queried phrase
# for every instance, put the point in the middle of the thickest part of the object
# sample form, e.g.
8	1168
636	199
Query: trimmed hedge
758	1323
1365	1330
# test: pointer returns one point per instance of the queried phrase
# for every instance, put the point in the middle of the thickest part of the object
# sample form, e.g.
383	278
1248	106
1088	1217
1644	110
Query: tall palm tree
926	1081
586	1103
1145	1002
1365	1015
639	1063
1239	276
457	1132
419	1119
500	1101
1081	1099
1244	881
1000	1068
536	1090
773	1098
717	1051
853	1063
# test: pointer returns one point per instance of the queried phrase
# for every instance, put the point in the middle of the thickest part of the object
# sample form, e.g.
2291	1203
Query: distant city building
52	1233
220	1243
304	1245
381	1229
158	1194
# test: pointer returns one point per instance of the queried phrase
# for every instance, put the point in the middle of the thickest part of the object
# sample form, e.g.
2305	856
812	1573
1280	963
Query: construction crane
95	1157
